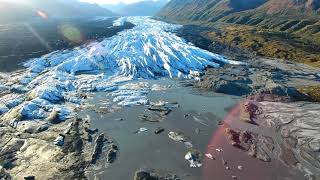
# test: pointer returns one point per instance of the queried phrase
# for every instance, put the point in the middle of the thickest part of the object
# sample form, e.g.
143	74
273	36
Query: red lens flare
42	14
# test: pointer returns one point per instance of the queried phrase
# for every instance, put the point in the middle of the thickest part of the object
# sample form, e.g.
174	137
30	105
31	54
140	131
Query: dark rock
90	131
220	123
119	119
152	175
111	155
249	111
97	150
114	146
143	175
232	88
159	130
30	178
12	147
4	175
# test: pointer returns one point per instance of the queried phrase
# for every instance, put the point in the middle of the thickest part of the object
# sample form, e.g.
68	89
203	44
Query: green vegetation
267	42
312	91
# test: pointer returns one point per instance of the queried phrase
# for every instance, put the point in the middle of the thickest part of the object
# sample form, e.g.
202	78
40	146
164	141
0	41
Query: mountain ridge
26	10
142	8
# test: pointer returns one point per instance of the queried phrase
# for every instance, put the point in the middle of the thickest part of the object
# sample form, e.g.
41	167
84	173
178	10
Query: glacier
150	50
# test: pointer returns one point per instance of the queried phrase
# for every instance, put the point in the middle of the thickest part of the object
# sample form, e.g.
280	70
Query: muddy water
149	150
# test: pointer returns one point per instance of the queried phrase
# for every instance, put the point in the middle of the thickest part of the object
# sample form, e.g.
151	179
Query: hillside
142	8
287	29
27	9
212	10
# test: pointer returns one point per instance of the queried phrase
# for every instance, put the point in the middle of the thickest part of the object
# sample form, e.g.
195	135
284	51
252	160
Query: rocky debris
74	141
65	160
112	153
194	158
144	174
180	137
9	151
111	156
158	111
247	141
250	79
4	175
32	127
177	136
159	130
97	150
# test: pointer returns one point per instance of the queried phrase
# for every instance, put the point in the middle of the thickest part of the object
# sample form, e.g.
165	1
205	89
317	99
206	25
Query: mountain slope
207	10
286	29
212	10
142	8
27	9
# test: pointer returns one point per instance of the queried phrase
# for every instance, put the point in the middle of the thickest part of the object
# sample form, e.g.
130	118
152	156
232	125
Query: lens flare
71	33
42	14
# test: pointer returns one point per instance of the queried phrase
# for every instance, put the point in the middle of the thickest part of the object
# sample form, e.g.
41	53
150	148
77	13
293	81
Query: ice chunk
31	110
193	160
50	93
59	141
